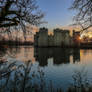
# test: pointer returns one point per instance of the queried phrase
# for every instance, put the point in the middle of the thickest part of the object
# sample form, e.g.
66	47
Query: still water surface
58	64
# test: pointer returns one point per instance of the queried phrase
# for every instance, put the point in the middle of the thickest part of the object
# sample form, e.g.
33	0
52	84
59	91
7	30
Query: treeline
15	43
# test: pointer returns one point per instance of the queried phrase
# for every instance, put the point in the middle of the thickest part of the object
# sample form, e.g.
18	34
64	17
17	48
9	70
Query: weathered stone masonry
60	38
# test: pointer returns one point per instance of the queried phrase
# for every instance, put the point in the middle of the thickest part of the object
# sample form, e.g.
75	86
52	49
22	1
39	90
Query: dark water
58	64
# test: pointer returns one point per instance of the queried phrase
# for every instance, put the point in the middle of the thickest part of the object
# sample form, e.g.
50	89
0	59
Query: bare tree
13	12
18	14
84	13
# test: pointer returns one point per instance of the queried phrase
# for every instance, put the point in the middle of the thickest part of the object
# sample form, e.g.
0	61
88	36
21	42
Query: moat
58	64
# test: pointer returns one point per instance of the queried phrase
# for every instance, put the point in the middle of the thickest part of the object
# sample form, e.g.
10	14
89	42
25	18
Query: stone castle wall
60	38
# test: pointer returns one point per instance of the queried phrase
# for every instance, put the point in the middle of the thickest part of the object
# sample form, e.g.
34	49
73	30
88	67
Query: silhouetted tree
19	13
13	12
84	15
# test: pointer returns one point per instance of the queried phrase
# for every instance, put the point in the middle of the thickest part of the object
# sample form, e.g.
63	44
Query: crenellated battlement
59	38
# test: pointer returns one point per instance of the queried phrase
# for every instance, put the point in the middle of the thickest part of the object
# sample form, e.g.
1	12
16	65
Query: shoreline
63	47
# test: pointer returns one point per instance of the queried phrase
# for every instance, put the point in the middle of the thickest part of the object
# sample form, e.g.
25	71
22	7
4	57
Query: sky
57	13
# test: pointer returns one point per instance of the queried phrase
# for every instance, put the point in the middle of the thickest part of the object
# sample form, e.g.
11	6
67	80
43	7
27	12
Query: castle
59	38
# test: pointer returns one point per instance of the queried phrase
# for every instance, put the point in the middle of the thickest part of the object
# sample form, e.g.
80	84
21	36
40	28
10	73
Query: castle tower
58	37
43	37
76	38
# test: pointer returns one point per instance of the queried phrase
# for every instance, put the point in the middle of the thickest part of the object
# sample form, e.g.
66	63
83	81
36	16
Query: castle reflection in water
42	55
59	55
